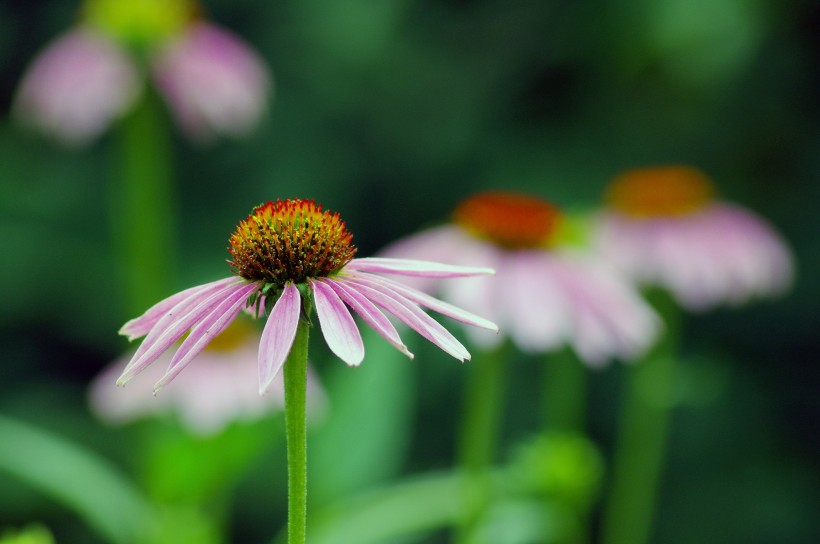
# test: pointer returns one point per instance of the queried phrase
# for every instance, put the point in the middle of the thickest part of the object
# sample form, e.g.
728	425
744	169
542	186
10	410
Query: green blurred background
390	112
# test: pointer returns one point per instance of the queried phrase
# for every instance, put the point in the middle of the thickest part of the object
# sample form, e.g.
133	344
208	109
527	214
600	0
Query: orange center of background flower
290	240
508	219
660	192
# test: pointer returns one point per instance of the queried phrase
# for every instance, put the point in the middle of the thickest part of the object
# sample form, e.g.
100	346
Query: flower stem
481	415
296	431
565	392
638	458
142	208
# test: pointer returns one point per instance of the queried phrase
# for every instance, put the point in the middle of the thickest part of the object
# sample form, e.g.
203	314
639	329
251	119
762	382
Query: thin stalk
296	432
483	399
565	392
639	449
142	207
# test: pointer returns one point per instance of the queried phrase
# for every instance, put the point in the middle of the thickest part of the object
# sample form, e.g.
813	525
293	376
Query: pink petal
370	313
338	327
205	331
77	86
174	324
410	267
432	303
214	83
278	336
142	325
411	315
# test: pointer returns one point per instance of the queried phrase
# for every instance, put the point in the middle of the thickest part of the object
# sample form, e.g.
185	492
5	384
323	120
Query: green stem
142	210
565	392
479	432
640	444
296	431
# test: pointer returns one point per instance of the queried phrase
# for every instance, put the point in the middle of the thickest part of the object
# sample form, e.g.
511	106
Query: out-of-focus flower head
288	257
212	81
546	293
219	389
663	226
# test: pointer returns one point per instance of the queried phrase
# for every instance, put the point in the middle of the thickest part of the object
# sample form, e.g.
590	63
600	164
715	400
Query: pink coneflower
664	227
213	82
544	295
219	389
289	256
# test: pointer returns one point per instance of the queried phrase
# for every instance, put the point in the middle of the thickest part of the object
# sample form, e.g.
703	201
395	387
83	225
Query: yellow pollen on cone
290	240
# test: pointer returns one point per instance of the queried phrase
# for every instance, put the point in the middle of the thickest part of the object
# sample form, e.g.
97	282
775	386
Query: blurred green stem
639	448
296	430
565	392
142	208
486	380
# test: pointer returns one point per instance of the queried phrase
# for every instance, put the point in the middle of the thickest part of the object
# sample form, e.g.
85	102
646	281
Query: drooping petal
205	331
410	267
175	323
411	315
214	83
278	335
434	304
339	329
142	325
370	313
77	86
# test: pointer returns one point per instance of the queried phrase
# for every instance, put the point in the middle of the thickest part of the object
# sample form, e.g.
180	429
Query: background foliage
390	112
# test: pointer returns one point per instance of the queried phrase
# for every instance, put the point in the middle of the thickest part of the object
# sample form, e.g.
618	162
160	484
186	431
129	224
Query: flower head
663	226
84	80
545	294
288	257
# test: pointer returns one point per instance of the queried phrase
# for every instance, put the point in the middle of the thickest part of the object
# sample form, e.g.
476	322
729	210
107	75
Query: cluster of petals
218	390
204	311
213	83
719	254
542	298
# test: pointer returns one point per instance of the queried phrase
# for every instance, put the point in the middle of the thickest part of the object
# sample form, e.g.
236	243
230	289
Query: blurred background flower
392	112
213	83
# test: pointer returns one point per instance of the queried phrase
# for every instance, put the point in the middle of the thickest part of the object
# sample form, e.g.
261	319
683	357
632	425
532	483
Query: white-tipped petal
370	314
205	331
411	315
410	267
434	304
339	329
278	335
174	324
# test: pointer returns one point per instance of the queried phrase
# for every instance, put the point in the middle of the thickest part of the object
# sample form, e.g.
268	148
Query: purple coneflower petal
278	335
205	331
410	314
142	325
339	329
410	267
174	324
370	314
427	301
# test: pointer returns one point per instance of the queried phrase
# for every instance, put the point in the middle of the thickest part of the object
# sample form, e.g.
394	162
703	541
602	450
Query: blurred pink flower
220	389
663	227
213	82
284	252
77	86
544	295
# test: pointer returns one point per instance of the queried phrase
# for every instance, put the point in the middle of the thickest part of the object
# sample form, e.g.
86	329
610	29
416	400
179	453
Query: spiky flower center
664	191
510	220
290	240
